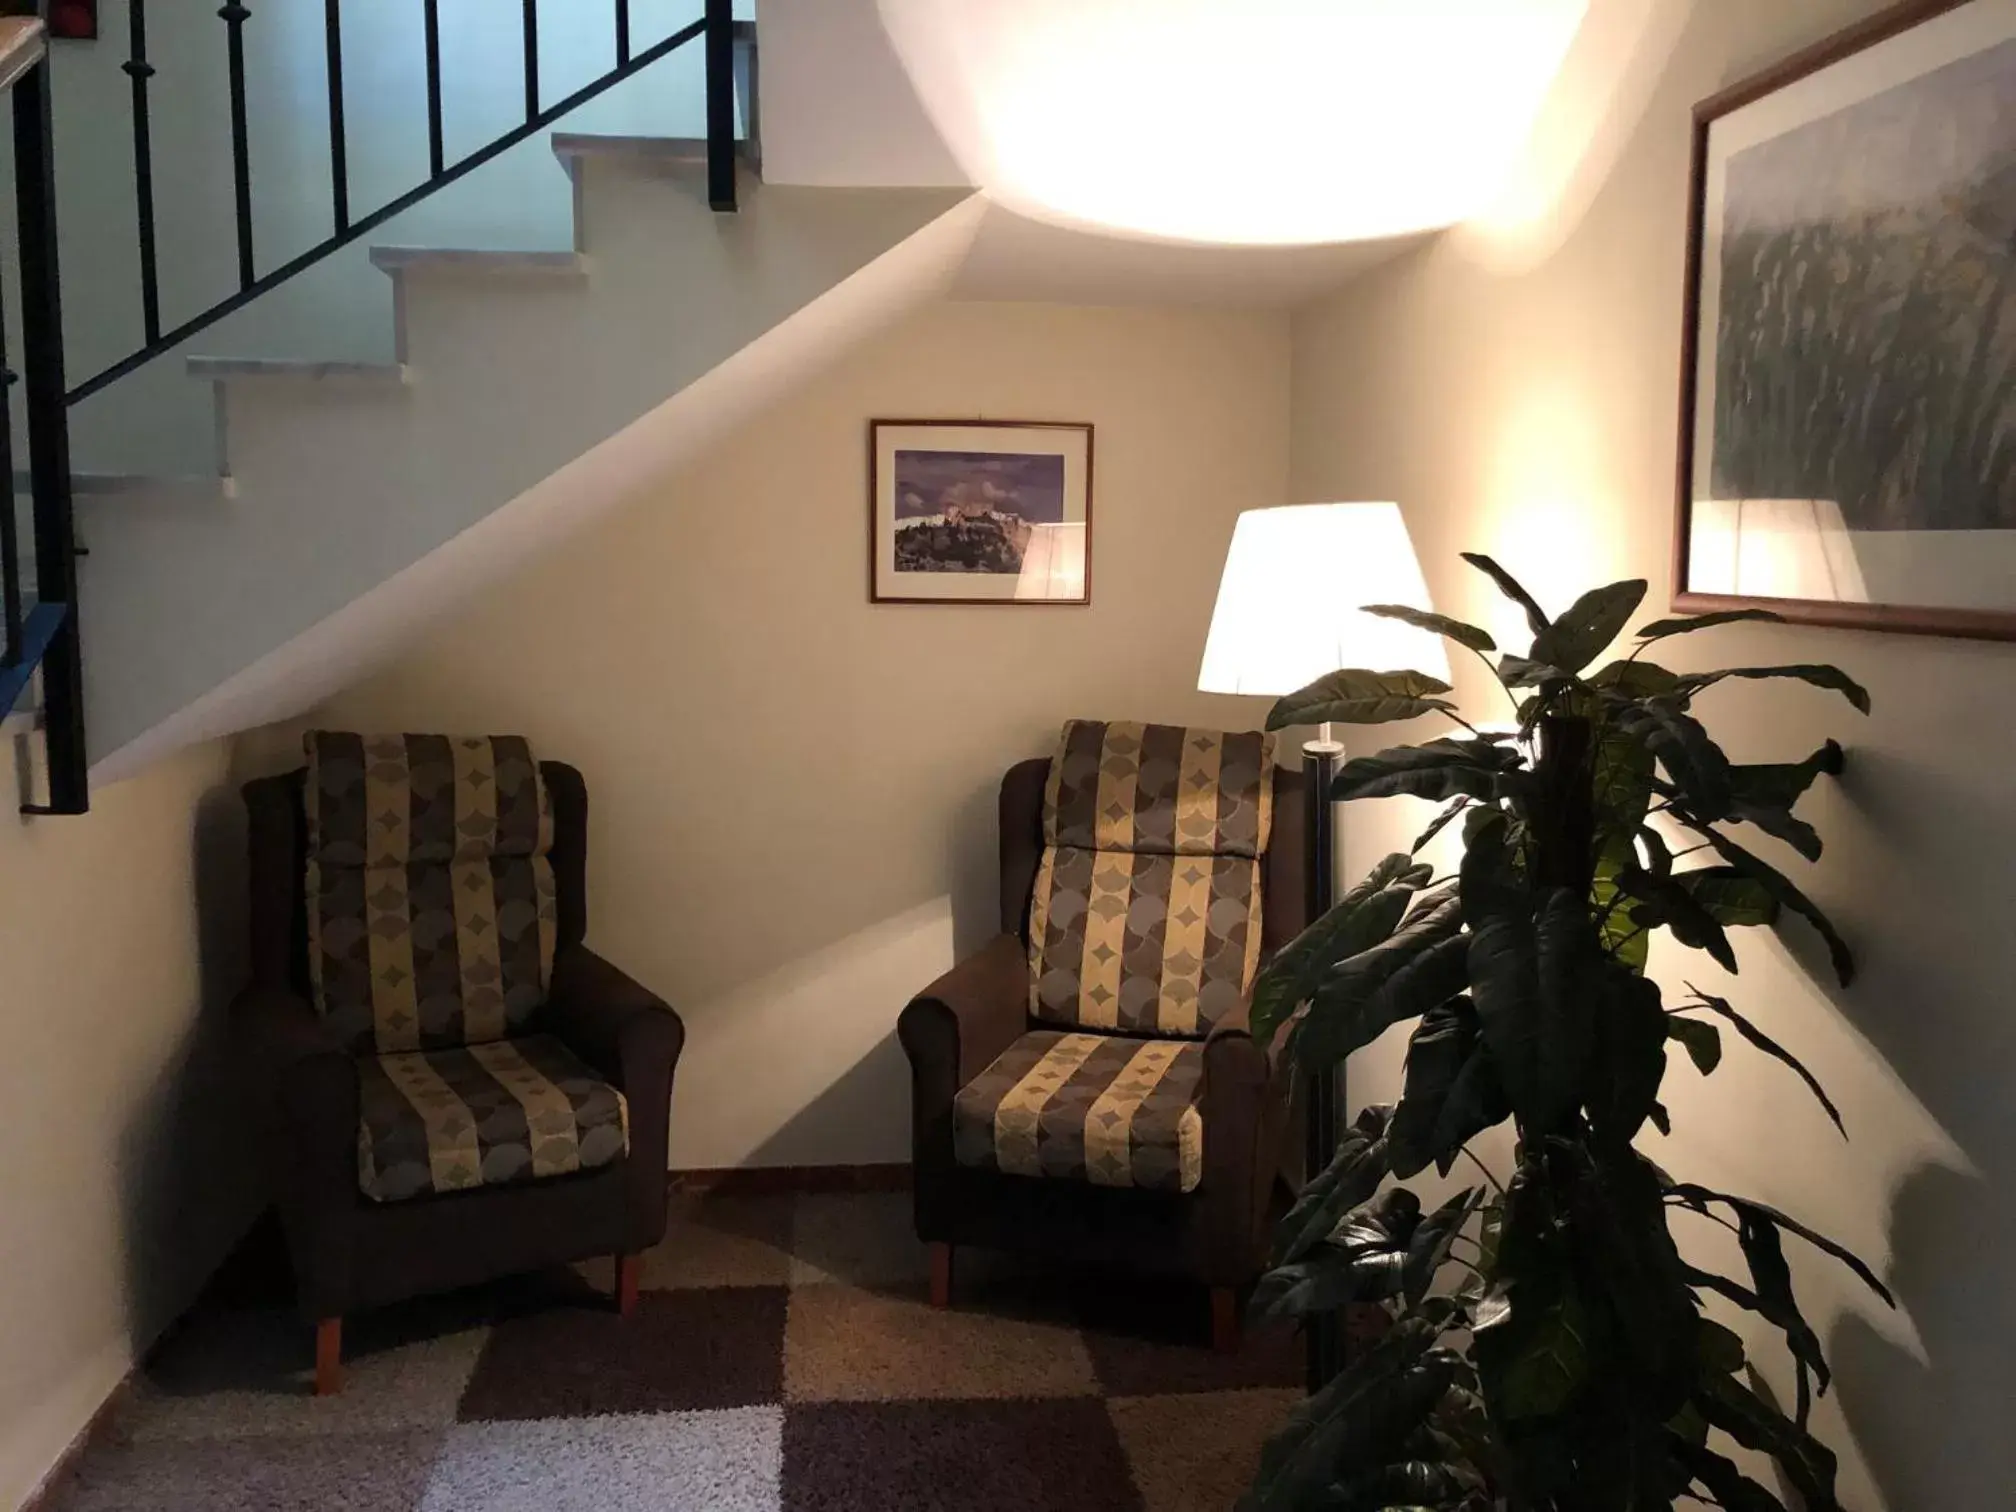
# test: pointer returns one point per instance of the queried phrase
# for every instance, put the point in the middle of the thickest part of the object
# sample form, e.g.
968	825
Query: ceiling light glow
1268	122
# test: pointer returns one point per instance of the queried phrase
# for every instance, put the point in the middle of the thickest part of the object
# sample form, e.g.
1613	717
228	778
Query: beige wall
1518	394
119	1190
792	789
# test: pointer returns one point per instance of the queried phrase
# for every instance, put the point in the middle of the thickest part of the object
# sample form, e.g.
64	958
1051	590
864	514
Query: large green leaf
1450	813
1617	1226
1660	629
1693	760
1369	913
1663	901
1452	1090
1772	1278
1358	1422
1636	678
1780	887
1528	979
1732	1490
1429	1245
1353	1175
1770	1047
1364	996
1831	678
1534	1357
1729	897
1363	1261
1437	771
1702	1042
1755	1424
1536	617
1701	1199
1440	624
1585	629
1630	1055
1355	696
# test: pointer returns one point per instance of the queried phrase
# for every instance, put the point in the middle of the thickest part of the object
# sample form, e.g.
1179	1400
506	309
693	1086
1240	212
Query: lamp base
1323	1096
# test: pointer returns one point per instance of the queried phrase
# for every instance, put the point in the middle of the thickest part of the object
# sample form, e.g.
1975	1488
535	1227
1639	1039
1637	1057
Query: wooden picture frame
980	512
1803	487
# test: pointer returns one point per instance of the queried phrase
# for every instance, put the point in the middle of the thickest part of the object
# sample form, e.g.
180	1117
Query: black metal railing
728	61
40	632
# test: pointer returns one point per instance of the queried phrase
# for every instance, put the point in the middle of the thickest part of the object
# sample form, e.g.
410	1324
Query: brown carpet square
1150	1337
682	1351
844	1344
860	1238
1051	1456
1198	1452
720	1241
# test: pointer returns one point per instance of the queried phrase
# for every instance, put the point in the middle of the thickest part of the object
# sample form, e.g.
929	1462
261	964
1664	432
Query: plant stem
1495	1182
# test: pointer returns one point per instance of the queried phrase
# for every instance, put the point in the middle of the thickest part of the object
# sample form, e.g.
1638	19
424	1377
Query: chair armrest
608	1018
303	1079
632	1037
1244	1104
965	1019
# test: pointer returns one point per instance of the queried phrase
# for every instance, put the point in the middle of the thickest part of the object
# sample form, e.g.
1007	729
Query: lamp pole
1323	1095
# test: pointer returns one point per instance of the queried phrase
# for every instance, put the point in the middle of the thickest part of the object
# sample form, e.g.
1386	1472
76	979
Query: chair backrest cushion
431	909
1147	907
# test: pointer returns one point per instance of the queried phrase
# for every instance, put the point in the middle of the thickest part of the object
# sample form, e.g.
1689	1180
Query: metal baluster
339	149
140	71
720	41
235	16
10	527
436	160
531	60
49	439
622	32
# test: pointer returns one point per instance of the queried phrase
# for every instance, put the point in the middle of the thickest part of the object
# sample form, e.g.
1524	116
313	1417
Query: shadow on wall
1933	1000
189	1187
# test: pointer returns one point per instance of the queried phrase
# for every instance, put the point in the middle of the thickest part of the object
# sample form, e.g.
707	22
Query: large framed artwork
1848	412
980	512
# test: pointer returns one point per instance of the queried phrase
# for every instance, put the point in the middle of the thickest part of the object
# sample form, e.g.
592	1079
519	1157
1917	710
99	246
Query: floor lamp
1290	610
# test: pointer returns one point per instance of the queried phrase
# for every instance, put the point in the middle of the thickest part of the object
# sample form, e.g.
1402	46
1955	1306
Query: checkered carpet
782	1357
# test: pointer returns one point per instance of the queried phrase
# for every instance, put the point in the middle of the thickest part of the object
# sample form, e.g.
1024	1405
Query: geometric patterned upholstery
436	1121
1146	912
431	909
1113	1111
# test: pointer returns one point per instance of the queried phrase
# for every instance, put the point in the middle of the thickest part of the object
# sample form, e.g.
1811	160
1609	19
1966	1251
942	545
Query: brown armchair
453	1086
1086	1085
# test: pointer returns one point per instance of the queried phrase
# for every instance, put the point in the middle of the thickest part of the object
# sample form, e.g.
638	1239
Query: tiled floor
782	1357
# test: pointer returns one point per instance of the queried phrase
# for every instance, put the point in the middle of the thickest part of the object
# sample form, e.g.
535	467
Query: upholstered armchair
453	1086
1086	1085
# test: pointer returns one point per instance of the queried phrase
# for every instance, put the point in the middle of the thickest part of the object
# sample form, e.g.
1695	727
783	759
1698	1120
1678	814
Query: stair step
570	145
107	485
300	368
475	260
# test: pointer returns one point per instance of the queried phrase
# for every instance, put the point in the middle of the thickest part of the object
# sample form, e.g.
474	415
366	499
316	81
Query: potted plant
1546	1345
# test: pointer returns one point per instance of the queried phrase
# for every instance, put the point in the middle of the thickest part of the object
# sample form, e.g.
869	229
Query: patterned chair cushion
431	910
1146	913
1087	1107
489	1115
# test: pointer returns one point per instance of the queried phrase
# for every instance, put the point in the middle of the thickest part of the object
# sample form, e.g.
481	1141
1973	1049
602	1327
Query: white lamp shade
1290	605
1053	563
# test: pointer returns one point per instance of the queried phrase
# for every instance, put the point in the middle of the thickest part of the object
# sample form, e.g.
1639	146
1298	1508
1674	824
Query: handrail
40	638
717	25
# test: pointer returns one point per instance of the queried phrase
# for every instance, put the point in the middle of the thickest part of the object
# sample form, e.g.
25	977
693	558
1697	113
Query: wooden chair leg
1225	1320
629	1268
328	1357
941	1274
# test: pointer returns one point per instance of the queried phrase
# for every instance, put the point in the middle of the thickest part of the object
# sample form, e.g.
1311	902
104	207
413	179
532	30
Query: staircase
527	391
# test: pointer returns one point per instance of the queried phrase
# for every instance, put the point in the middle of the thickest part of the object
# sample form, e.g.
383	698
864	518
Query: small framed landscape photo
980	512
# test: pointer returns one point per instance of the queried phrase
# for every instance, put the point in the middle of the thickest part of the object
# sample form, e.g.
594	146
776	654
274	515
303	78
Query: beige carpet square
845	1344
1197	1453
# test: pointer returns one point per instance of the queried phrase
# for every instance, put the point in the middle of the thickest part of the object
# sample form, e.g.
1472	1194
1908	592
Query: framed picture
1848	410
979	512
